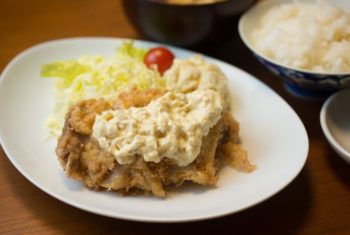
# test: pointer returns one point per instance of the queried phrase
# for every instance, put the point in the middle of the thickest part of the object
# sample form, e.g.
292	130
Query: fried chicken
83	159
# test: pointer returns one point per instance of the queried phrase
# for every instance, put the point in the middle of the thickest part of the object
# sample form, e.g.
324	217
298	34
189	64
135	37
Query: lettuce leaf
97	77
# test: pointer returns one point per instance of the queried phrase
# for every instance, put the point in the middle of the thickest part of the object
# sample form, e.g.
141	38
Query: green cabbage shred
97	77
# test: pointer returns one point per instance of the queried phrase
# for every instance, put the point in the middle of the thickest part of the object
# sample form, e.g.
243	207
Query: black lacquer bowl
185	25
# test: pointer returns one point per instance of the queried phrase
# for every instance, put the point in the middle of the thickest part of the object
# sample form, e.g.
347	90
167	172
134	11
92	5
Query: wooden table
316	202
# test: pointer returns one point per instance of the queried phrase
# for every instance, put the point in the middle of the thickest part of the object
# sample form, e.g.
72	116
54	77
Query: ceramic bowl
185	25
302	83
335	122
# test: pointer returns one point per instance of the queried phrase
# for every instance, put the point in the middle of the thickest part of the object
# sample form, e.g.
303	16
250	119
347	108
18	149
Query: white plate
271	131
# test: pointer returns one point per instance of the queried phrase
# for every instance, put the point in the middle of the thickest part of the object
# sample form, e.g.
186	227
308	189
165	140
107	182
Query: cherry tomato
159	56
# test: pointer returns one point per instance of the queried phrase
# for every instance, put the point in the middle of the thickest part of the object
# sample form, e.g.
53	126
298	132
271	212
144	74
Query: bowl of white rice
306	42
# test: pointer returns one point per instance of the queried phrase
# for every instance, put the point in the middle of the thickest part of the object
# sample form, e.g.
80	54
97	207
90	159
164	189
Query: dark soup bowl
185	24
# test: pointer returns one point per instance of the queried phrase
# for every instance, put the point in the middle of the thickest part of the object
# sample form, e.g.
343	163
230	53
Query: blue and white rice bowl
300	82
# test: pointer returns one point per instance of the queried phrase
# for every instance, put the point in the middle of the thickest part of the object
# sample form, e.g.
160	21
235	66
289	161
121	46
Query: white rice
310	36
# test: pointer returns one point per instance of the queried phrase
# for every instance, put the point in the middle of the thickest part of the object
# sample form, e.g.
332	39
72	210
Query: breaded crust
82	158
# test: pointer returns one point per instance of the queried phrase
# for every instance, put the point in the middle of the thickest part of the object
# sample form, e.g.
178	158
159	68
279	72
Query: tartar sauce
171	126
194	73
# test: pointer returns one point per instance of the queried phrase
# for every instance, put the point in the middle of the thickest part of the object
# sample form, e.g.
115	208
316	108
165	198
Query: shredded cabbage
97	77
